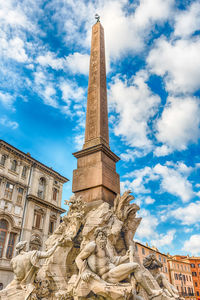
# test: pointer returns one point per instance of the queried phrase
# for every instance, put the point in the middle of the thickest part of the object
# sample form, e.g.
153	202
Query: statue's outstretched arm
47	254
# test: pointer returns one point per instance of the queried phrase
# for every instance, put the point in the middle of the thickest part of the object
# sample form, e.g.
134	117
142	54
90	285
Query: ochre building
181	276
30	204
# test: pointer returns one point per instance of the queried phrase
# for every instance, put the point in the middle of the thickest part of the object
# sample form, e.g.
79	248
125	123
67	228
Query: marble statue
25	266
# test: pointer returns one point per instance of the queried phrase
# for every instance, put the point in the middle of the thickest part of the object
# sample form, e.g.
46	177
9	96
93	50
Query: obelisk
95	177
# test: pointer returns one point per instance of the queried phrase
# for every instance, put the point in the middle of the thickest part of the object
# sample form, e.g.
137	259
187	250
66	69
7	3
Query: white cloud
178	125
173	179
147	227
164	239
71	92
49	96
14	49
6	99
178	62
189	214
8	123
174	182
12	14
78	63
188	21
50	59
133	114
149	200
192	245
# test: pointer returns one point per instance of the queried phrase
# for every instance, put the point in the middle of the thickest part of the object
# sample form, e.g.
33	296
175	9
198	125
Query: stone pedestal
95	177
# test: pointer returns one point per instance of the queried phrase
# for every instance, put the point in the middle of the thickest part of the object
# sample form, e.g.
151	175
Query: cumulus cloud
174	182
14	49
50	59
192	245
164	239
173	179
179	124
149	200
178	62
147	227
188	21
6	99
188	215
8	123
78	63
133	114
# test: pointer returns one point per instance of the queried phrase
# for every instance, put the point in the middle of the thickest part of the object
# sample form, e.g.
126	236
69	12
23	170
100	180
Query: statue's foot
155	293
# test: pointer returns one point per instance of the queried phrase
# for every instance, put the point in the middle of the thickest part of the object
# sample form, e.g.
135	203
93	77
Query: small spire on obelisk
97	17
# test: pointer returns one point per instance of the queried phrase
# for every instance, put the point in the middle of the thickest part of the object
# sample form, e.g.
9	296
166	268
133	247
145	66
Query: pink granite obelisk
95	177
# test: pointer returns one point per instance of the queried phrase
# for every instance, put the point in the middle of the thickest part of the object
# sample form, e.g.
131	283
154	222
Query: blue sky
153	77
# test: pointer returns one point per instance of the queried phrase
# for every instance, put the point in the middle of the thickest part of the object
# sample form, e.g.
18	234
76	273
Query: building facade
30	204
181	277
145	250
195	271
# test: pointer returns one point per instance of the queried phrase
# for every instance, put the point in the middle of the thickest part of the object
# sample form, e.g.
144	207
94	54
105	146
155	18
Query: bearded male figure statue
95	262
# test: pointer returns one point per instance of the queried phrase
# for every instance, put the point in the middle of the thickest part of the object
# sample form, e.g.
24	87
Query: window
143	251
1	286
51	226
55	194
41	187
11	243
198	265
178	266
24	170
3	160
9	190
192	265
159	257
136	247
197	293
194	274
20	196
3	233
183	277
196	284
164	260
190	278
14	165
186	277
165	269
38	218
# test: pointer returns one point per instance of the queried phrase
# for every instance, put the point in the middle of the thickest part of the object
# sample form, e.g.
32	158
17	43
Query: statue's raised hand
86	276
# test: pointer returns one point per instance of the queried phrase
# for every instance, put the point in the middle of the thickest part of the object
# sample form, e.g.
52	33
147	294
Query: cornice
32	160
13	181
97	148
45	203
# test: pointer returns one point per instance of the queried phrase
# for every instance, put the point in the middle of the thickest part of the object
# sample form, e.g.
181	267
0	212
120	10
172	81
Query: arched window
14	165
3	160
3	233
24	170
1	286
41	187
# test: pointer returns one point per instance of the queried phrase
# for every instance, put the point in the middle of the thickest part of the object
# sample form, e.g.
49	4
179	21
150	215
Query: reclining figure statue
154	265
94	262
